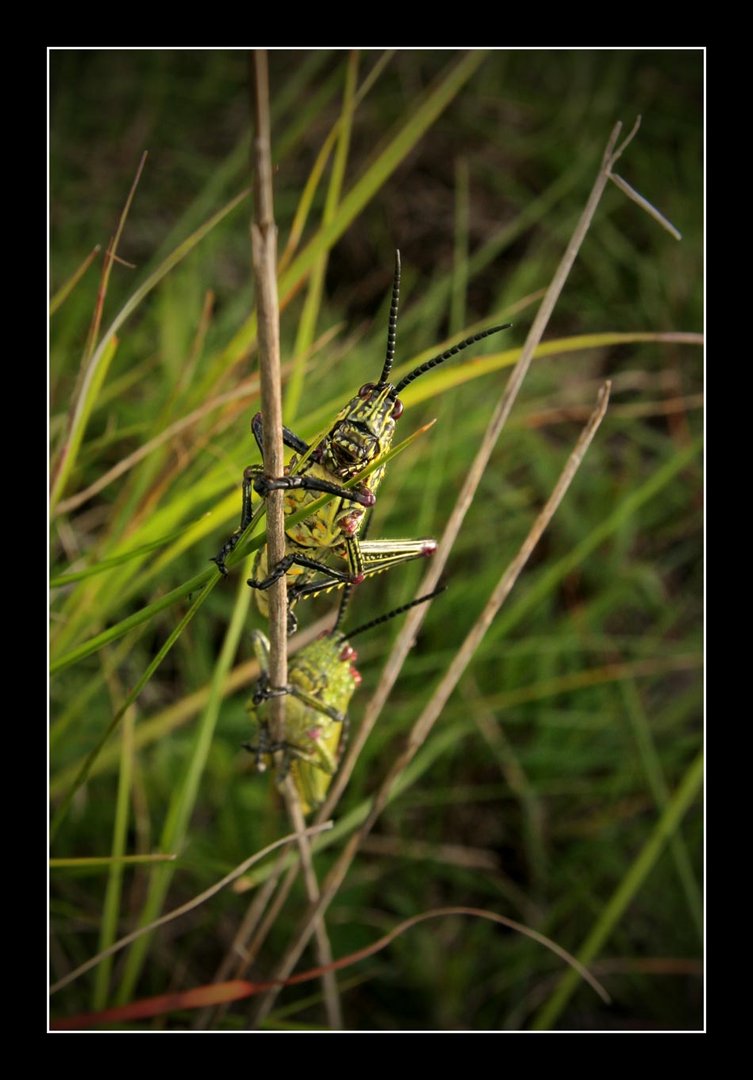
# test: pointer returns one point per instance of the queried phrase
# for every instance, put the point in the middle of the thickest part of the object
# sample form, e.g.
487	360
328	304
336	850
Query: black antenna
341	610
392	325
446	355
397	611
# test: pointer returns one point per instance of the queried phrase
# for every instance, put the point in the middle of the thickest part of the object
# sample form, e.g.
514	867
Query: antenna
446	355
397	611
392	325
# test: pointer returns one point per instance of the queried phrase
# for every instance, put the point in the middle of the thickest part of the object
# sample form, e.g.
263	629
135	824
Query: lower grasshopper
323	679
359	436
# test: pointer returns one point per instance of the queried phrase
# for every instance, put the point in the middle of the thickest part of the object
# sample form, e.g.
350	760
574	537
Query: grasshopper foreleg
295	442
246	514
264	484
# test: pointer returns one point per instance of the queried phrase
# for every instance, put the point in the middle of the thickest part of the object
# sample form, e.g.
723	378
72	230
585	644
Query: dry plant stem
426	720
264	251
439	699
270	918
259	918
650	209
264	254
414	618
323	947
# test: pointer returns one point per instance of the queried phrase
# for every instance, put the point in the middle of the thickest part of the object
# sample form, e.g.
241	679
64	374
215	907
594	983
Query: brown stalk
264	255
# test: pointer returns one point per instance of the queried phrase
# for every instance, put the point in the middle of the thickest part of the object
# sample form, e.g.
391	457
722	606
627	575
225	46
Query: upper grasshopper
361	433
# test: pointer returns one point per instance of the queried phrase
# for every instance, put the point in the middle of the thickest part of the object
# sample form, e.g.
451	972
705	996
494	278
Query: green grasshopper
361	433
322	681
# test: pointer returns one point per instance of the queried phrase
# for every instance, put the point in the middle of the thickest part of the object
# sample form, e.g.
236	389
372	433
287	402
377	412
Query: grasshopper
331	531
361	433
322	681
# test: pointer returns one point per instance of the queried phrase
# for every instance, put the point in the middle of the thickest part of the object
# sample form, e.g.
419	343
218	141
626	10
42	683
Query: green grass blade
664	829
433	383
131	697
96	862
182	805
113	892
91	385
655	776
426	113
306	200
204	579
459	286
115	560
365	188
61	724
67	287
448	376
155	728
103	352
623	512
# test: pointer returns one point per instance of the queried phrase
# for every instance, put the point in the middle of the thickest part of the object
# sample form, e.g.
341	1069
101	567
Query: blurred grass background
551	766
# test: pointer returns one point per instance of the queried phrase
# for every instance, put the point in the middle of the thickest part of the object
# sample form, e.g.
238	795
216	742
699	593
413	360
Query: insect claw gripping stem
264	484
264	692
246	514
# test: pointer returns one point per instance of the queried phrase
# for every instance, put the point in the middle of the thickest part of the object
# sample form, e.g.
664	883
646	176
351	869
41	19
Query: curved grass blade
130	698
67	287
114	560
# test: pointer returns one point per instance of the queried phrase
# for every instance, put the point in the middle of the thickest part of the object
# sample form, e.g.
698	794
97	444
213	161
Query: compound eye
366	389
397	409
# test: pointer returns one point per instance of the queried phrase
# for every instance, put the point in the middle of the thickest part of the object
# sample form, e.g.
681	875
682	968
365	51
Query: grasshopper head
363	430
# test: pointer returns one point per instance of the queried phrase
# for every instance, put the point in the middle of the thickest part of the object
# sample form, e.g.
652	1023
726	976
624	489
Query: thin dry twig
264	251
237	989
415	618
631	193
650	209
67	288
